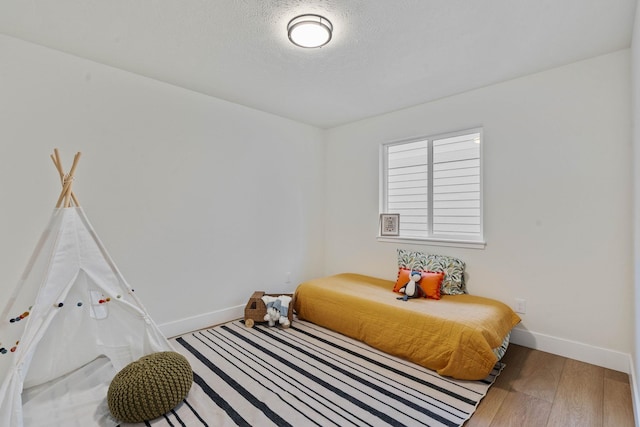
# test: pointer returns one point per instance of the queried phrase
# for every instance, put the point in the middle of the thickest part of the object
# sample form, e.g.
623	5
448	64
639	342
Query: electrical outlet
287	277
521	306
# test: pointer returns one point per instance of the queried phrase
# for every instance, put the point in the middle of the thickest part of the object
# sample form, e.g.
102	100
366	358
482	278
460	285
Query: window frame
436	240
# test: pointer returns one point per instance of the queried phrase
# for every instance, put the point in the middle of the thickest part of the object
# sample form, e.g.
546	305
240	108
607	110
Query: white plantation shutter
456	186
407	186
435	186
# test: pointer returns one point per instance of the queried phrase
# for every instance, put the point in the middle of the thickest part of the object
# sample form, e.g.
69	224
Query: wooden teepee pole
66	195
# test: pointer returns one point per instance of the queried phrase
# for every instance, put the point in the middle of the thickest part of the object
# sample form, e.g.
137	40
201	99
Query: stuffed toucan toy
412	289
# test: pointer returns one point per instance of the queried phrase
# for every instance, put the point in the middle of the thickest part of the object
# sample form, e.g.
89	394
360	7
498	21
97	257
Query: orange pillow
430	282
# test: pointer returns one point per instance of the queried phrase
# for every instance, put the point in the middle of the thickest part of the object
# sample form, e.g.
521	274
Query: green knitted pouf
149	387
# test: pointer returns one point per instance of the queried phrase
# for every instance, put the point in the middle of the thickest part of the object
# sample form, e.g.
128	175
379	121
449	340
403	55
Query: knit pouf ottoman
149	387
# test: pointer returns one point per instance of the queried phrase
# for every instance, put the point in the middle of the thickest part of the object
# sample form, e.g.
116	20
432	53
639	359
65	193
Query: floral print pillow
453	269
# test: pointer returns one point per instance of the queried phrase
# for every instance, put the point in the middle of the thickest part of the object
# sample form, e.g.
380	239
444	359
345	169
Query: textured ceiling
384	55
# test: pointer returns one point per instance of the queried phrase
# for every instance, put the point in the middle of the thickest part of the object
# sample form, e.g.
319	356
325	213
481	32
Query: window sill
469	244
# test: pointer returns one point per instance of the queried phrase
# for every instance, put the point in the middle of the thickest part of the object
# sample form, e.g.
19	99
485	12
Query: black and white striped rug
309	376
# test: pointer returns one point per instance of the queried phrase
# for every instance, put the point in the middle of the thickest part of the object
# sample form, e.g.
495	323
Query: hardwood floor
542	389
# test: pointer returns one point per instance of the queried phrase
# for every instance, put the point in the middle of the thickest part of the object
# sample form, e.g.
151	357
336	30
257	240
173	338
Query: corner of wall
635	397
634	361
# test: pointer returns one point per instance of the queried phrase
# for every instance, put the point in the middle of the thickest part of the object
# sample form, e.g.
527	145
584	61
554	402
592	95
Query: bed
457	335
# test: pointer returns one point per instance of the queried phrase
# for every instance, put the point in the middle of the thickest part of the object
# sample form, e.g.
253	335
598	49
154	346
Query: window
435	184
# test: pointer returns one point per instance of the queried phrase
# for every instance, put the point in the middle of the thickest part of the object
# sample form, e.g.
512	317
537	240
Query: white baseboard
611	359
202	321
599	356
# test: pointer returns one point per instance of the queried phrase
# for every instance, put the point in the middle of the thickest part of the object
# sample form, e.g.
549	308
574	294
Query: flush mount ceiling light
309	30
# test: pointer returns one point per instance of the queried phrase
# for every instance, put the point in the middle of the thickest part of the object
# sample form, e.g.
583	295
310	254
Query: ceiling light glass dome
309	31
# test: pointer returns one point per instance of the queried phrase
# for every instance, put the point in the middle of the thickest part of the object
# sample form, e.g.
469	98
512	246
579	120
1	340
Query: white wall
557	201
199	201
635	109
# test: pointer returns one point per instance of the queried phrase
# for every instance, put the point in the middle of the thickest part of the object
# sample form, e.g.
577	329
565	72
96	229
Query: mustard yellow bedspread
453	336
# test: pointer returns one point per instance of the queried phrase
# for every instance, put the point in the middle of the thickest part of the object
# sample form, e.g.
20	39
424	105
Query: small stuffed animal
273	312
277	311
412	289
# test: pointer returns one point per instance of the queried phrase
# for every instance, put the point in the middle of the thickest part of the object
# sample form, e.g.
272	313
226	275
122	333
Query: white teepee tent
71	324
